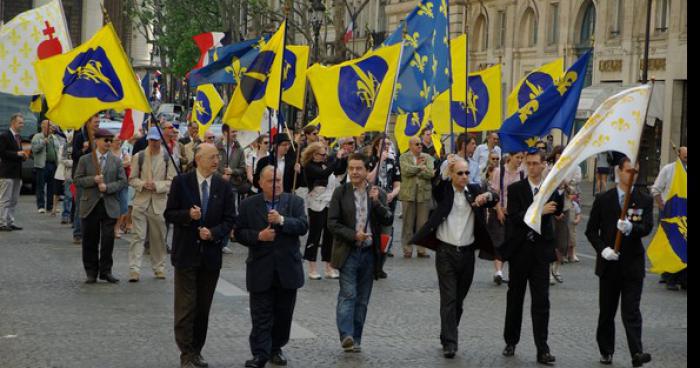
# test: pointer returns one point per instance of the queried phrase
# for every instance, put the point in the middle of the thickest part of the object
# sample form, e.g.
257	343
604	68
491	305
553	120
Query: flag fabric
533	84
34	35
425	71
296	62
355	96
554	108
35	104
132	119
616	124
409	126
224	65
348	33
483	110
146	84
94	76
668	251
205	42
207	104
259	87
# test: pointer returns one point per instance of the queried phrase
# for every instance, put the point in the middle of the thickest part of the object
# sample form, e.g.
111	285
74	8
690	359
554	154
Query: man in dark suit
621	274
455	229
286	162
201	209
99	206
356	247
11	157
81	146
529	254
270	227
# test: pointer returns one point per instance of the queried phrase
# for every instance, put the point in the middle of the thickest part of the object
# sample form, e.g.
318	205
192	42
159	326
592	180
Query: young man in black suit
11	157
621	274
285	161
456	228
270	225
529	254
201	208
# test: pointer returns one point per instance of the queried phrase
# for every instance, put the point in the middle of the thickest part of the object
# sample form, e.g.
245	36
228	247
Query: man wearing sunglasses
99	206
456	228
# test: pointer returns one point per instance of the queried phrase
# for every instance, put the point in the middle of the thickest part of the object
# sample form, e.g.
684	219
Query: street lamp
318	12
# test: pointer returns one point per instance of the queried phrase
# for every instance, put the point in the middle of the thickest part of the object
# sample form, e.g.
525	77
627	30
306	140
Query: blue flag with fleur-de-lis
222	69
424	71
554	108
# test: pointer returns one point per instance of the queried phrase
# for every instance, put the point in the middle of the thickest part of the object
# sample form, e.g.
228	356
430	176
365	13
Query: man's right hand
22	154
361	236
267	234
549	208
195	213
99	179
609	254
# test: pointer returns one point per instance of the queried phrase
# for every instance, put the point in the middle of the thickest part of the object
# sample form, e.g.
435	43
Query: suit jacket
163	175
79	138
601	231
188	250
10	163
281	256
341	223
114	178
519	199
444	195
288	176
415	184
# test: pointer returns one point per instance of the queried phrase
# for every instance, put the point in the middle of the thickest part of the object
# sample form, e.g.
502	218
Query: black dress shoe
109	278
15	227
509	350
256	362
639	359
450	352
278	358
5	228
545	358
199	361
382	275
606	359
91	279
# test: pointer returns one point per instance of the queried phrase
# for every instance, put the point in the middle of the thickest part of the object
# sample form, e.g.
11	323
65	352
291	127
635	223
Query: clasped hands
100	181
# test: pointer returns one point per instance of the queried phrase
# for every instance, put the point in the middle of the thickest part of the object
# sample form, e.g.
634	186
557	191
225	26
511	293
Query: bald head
207	158
683	154
415	145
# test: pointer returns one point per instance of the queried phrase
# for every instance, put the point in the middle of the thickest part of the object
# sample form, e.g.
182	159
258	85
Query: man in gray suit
99	206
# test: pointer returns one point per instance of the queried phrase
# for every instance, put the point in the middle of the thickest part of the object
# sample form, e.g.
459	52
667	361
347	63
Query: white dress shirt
458	228
201	179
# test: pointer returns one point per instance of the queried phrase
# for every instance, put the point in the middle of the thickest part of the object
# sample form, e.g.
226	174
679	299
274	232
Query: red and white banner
348	33
206	42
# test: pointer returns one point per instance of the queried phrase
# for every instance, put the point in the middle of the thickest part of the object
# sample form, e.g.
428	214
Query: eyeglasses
542	148
313	133
266	142
168	127
460	173
417	144
495	159
211	138
108	140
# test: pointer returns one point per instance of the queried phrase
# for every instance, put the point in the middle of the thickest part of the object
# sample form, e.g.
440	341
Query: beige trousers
415	215
147	223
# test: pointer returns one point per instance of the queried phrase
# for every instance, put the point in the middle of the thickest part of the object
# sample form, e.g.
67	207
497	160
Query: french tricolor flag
206	42
348	33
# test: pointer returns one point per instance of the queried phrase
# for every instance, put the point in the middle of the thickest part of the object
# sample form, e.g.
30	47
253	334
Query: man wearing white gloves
621	273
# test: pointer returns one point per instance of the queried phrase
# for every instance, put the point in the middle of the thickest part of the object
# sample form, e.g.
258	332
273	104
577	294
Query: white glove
609	254
625	226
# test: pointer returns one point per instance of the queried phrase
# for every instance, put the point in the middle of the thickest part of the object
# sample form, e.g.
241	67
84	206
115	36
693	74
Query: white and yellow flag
615	126
33	35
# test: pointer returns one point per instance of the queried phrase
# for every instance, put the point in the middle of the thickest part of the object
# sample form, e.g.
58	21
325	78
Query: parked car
9	105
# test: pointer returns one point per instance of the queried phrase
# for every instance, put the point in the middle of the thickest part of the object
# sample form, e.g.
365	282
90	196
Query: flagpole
65	23
628	190
451	79
279	107
466	73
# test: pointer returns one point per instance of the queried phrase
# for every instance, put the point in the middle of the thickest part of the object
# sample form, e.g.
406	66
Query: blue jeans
67	199
356	278
44	178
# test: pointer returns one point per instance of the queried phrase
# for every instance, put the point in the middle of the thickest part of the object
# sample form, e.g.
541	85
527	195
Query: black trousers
318	225
194	292
98	241
271	313
612	289
455	271
524	268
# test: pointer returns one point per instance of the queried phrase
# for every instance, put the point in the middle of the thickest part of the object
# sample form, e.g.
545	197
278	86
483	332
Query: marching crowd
344	194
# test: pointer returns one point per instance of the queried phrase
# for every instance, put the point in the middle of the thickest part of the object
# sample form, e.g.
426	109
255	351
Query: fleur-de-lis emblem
4	81
367	86
681	222
14	37
535	90
632	144
426	9
566	81
637	116
527	110
443	8
563	161
26	77
25	50
397	88
532	141
412	40
36	34
419	61
601	140
627	99
425	91
620	124
3	52
435	65
199	109
14	66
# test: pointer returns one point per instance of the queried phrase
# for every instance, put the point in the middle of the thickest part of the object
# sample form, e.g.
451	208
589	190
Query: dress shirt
362	213
534	188
200	179
458	228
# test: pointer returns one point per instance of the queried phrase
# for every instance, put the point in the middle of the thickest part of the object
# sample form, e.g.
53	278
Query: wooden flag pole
93	147
628	190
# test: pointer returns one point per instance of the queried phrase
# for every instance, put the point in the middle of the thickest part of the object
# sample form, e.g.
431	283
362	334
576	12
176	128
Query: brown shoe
160	275
133	276
407	255
423	255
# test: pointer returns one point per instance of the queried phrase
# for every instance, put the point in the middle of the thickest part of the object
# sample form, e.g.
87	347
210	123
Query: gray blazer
115	179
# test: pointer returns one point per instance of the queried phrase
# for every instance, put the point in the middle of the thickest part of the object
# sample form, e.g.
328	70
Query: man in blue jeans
356	215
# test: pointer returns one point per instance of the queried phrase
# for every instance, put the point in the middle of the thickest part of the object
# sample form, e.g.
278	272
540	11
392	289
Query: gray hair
269	168
16	116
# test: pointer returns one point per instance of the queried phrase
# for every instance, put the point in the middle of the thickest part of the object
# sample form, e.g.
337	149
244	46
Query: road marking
585	255
226	288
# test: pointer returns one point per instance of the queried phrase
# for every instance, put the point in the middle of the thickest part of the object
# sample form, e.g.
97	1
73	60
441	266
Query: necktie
205	198
622	199
18	140
537	190
103	160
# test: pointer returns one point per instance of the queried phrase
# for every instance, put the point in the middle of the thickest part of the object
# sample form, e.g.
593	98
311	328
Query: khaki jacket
139	175
416	182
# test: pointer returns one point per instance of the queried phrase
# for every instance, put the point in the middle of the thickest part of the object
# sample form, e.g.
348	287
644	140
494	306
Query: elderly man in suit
621	274
356	215
11	157
270	224
529	254
99	206
455	230
417	170
151	175
201	208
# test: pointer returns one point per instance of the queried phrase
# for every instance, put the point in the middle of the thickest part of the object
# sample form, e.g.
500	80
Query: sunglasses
495	159
314	133
417	144
322	154
266	142
211	138
108	140
460	173
168	127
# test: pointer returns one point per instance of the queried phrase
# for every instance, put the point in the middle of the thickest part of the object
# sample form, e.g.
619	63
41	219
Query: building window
528	29
481	34
588	26
553	37
616	17
501	30
662	10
